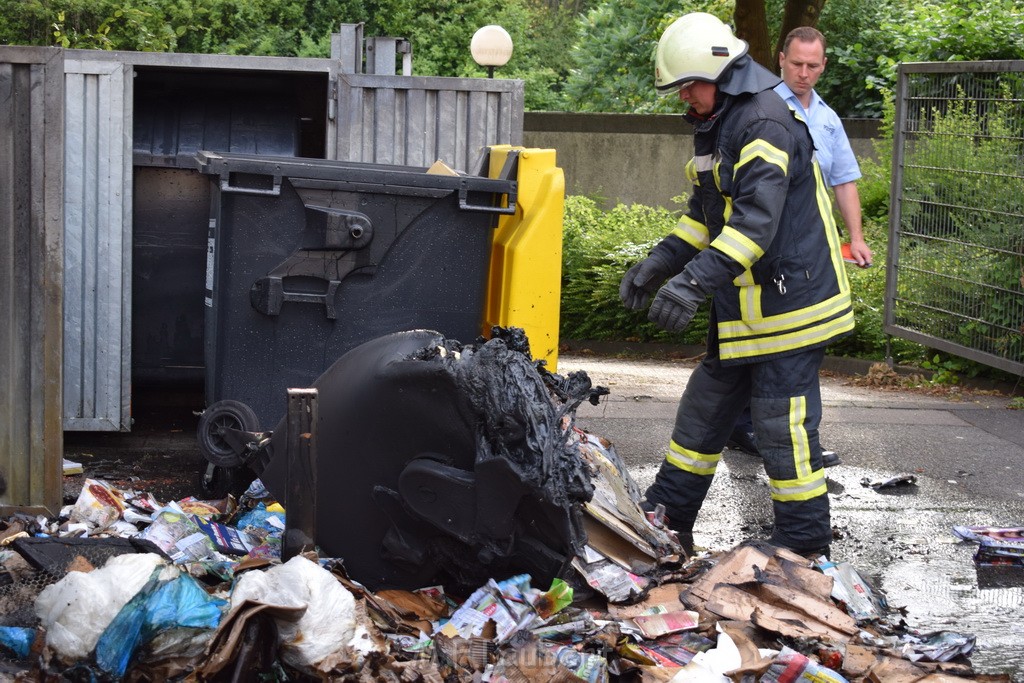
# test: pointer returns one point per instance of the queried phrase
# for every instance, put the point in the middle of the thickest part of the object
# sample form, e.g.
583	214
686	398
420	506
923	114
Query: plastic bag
328	623
76	610
17	640
160	606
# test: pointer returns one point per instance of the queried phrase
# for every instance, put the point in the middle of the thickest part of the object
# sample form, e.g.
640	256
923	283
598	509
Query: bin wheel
230	414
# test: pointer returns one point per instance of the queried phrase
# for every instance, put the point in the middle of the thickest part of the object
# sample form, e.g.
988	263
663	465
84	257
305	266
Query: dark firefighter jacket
758	232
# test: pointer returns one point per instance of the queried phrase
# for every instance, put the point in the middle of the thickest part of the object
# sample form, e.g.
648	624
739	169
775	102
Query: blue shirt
832	147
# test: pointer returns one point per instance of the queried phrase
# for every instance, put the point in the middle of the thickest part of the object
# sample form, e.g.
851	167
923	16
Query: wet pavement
964	453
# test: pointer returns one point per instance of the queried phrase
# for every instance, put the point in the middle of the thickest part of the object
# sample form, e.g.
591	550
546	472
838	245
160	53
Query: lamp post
491	46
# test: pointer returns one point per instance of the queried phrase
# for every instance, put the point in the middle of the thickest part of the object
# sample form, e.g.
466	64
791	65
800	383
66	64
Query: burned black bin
308	258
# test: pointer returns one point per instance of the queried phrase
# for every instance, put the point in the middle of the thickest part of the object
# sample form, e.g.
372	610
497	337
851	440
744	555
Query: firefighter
758	237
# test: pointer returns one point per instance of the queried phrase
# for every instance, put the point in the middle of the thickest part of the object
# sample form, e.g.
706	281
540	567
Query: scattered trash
17	641
997	546
852	591
901	481
940	646
323	630
654	626
123	586
791	666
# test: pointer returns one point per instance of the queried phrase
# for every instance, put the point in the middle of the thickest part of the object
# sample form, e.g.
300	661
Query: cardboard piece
665	596
819	610
777	591
441	168
224	647
736	567
605	534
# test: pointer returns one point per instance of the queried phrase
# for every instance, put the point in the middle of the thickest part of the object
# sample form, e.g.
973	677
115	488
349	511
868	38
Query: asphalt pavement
965	454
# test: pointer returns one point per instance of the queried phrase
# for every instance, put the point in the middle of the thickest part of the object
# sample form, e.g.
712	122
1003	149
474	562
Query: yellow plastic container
525	282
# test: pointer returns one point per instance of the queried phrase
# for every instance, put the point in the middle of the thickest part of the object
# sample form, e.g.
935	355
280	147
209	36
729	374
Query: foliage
268	27
598	248
961	241
846	25
614	53
894	31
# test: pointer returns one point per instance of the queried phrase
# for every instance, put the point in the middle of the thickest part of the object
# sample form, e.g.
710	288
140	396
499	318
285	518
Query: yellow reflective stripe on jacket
831	231
738	247
750	302
800	339
690	170
764	150
798	436
692	461
750	295
801	488
692	232
785	321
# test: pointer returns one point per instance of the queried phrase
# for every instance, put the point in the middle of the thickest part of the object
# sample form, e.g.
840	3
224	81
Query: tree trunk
798	13
752	26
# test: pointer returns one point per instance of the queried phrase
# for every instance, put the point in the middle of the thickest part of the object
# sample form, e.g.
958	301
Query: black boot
743	441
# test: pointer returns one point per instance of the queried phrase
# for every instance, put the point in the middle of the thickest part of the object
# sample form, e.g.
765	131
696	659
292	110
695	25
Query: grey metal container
309	258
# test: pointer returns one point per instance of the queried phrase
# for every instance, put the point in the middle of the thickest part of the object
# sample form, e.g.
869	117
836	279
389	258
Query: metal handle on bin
466	206
226	186
267	295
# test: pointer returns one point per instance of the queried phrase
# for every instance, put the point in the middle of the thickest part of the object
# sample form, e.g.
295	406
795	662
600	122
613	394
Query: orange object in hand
848	257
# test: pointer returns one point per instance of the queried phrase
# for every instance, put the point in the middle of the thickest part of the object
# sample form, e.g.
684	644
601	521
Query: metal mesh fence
955	278
39	562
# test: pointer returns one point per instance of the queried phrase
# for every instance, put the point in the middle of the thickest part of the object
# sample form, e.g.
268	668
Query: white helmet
695	47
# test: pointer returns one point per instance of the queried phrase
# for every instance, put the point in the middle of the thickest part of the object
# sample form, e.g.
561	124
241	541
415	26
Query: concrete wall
631	158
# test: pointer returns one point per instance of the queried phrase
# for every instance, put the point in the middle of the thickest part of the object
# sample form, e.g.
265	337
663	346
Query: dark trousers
785	404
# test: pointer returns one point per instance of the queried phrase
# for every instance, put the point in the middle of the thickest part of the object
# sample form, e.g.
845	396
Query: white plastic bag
327	625
77	609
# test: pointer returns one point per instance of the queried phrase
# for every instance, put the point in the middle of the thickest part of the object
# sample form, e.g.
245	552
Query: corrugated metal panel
415	120
31	265
97	245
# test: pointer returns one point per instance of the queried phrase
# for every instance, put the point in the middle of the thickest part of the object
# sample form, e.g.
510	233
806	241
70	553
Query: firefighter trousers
785	403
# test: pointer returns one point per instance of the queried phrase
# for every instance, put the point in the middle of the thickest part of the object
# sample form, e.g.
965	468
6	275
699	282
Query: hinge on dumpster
333	245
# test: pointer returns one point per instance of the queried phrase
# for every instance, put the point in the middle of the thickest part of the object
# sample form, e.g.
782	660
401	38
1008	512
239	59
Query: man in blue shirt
801	62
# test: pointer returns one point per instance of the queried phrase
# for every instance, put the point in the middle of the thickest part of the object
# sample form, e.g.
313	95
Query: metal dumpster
308	258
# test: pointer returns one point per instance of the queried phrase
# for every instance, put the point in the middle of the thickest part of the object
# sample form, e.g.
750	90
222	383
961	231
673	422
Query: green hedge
598	248
600	245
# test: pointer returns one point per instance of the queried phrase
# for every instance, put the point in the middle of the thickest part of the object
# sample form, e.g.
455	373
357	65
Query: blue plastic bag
17	640
160	605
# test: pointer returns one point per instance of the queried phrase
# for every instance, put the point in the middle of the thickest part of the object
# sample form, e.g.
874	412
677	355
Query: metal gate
416	120
955	278
97	245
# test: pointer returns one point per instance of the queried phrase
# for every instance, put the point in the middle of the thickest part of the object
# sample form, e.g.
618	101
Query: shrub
598	248
961	245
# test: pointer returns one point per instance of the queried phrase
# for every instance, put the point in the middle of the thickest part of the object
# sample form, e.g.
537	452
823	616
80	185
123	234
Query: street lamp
491	46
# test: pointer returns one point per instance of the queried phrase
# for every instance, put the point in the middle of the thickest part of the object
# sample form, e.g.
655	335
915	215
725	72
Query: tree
614	53
752	26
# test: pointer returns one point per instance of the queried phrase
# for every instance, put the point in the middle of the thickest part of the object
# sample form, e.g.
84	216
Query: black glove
676	303
642	281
